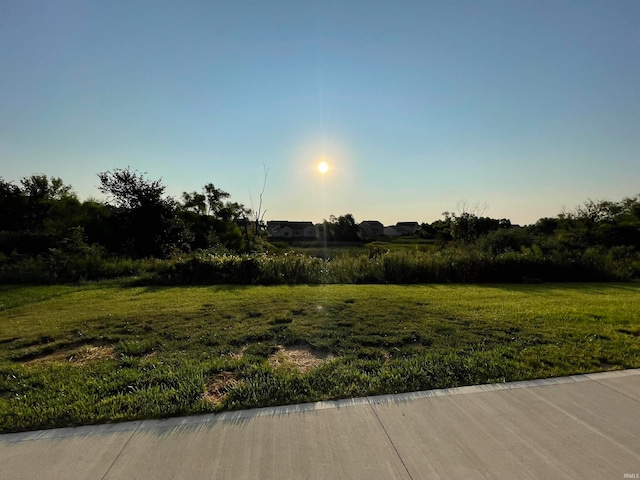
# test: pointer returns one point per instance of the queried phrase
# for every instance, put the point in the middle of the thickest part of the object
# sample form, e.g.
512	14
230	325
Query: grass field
74	355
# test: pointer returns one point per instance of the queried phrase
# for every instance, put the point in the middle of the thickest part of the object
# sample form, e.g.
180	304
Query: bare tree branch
478	209
259	213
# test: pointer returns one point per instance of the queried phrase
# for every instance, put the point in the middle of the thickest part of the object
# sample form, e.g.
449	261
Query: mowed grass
74	355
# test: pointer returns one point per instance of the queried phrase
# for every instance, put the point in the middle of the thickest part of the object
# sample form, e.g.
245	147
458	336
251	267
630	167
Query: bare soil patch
301	357
217	387
236	355
77	355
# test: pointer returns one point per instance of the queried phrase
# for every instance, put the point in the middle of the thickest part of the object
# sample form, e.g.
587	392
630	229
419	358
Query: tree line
48	234
599	227
136	220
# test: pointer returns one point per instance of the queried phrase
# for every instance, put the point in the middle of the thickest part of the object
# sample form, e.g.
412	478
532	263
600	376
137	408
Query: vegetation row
442	266
47	235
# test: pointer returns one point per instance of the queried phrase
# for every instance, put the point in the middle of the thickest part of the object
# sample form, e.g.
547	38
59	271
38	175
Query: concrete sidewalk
581	427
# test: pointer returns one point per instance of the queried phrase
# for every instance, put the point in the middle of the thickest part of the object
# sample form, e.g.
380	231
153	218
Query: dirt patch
300	357
78	355
217	387
236	355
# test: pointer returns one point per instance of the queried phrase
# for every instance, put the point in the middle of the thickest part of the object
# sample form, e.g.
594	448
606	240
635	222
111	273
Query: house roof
286	223
300	228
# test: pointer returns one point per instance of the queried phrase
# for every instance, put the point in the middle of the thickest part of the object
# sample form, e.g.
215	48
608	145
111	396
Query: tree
101	224
234	212
438	230
39	187
194	201
12	204
149	223
211	202
39	213
130	190
467	227
545	226
602	223
215	199
49	206
347	230
342	228
212	220
42	199
259	213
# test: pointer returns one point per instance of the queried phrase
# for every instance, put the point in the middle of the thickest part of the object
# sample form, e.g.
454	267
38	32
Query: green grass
103	352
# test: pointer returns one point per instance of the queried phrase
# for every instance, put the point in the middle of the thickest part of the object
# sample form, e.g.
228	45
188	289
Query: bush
457	265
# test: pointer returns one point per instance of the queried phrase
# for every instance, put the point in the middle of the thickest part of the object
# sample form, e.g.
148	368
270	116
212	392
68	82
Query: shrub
453	264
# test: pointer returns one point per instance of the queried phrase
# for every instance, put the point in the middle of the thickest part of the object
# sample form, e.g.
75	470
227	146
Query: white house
286	229
371	228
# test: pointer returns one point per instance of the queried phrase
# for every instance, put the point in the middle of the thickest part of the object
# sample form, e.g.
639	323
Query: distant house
291	230
391	232
371	228
406	228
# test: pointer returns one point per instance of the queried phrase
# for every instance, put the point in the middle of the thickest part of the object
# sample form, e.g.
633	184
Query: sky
527	108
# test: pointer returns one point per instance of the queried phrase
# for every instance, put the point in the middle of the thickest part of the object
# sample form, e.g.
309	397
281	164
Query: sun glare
323	167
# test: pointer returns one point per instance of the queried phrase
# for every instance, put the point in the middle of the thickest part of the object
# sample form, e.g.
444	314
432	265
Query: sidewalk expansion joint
121	450
617	391
389	438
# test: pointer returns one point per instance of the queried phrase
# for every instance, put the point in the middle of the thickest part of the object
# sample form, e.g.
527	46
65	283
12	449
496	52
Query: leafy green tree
544	226
215	199
43	208
468	227
213	220
12	206
101	224
342	228
506	240
130	190
438	230
149	224
346	229
212	203
601	223
40	187
195	202
234	212
38	213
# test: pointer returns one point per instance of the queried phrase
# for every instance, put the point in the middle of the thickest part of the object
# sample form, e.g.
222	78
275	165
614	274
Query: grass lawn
73	355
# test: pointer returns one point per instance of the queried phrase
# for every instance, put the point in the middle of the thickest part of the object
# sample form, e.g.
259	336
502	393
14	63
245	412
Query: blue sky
527	107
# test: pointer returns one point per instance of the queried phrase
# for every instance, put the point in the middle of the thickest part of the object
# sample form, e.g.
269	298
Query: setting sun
323	167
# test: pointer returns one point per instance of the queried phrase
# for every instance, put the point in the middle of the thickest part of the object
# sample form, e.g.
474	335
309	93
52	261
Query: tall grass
402	266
